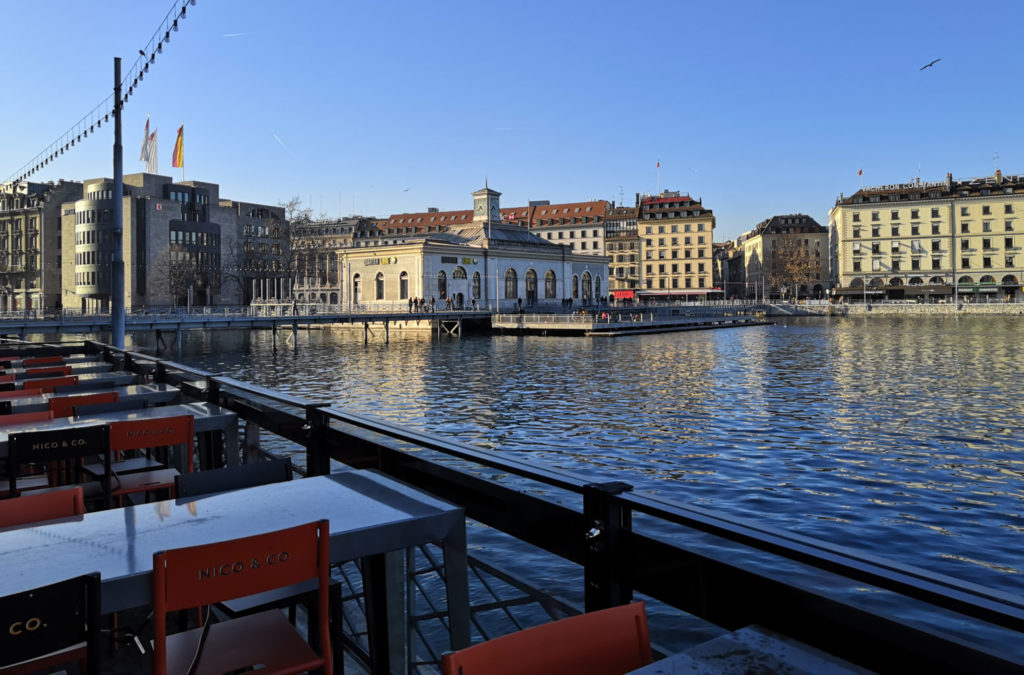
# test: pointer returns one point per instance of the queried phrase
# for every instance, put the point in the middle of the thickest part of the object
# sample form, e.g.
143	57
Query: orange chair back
63	406
154	433
211	573
42	361
606	642
33	508
46	385
51	370
25	418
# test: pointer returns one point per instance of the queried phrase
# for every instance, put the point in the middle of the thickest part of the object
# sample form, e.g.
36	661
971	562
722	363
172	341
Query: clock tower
485	207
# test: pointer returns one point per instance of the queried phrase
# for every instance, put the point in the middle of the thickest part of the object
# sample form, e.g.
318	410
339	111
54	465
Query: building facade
955	240
676	232
30	243
786	257
182	245
622	242
482	261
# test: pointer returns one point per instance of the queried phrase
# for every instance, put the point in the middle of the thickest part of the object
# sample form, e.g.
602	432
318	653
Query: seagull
931	64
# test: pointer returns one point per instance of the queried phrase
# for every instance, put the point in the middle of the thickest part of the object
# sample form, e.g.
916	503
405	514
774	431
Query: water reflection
898	436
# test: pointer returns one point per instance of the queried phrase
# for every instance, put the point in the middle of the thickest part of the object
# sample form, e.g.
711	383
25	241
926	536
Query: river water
897	436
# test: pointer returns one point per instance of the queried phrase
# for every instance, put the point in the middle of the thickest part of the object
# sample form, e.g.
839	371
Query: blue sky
759	108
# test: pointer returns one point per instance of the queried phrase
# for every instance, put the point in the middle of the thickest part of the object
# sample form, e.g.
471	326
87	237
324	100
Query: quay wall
915	309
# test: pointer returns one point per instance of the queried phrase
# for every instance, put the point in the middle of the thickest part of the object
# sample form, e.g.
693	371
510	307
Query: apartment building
675	233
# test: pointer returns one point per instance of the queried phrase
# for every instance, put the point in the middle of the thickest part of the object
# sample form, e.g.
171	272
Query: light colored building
30	243
482	260
950	240
675	237
786	257
182	245
576	225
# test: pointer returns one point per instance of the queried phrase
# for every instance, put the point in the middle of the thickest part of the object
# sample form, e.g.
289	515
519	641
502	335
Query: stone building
30	243
675	236
183	246
952	240
786	257
622	242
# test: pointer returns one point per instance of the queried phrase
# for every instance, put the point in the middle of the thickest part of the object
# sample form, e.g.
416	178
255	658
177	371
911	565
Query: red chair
34	508
46	385
606	642
63	406
49	371
203	575
25	418
42	361
147	434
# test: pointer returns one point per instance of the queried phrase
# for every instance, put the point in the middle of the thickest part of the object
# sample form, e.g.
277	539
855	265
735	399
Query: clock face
494	210
480	209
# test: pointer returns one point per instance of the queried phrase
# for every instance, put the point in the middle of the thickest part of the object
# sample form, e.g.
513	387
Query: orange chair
42	361
34	508
606	642
63	406
211	573
147	434
25	418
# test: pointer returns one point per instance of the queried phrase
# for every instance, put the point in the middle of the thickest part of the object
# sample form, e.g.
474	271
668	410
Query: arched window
531	286
476	285
459	273
511	285
357	288
379	286
334	298
403	286
597	286
550	287
442	285
587	287
964	280
575	287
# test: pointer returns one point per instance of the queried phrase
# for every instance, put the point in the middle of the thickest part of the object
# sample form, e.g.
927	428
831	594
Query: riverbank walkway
614	322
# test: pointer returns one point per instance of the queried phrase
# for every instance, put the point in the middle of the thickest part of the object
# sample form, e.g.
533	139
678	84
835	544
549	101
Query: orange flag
178	156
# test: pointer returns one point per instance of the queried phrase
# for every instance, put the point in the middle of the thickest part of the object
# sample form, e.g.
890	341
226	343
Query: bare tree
790	264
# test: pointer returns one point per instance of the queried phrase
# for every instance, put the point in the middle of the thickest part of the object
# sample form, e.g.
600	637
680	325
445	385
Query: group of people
418	305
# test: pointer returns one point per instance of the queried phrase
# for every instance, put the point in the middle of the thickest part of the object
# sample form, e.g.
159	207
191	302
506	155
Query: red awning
623	295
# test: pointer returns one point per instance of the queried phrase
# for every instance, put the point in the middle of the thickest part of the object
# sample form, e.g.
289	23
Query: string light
101	113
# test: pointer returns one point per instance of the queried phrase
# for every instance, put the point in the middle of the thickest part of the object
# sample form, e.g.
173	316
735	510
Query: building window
1009	261
936	263
965	228
549	284
876	231
894	215
986	226
1008	243
935	213
856	217
476	285
965	245
403	286
915	230
874	216
379	285
935	228
1007	208
936	246
895	230
895	265
986	210
915	264
1008	225
913	214
511	285
856	266
856	233
965	263
986	262
964	211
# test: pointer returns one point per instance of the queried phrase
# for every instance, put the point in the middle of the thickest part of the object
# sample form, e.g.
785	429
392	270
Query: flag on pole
151	163
178	156
144	154
860	172
656	166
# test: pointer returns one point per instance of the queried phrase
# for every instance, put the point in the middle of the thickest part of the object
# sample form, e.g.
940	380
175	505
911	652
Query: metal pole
117	259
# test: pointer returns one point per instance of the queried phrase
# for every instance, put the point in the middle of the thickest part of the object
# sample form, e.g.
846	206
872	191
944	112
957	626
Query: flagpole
182	152
658	167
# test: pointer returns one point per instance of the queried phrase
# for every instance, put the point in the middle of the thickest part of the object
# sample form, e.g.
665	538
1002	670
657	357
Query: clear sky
373	107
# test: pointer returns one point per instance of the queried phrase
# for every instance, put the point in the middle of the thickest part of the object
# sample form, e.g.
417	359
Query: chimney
999	177
949	182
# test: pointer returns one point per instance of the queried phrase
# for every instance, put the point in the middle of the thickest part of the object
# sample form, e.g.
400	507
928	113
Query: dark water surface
896	436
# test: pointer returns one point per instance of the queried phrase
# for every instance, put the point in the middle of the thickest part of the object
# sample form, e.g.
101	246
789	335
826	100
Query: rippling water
896	436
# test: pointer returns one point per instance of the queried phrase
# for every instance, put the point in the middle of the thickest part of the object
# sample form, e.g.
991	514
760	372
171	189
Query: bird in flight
931	64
